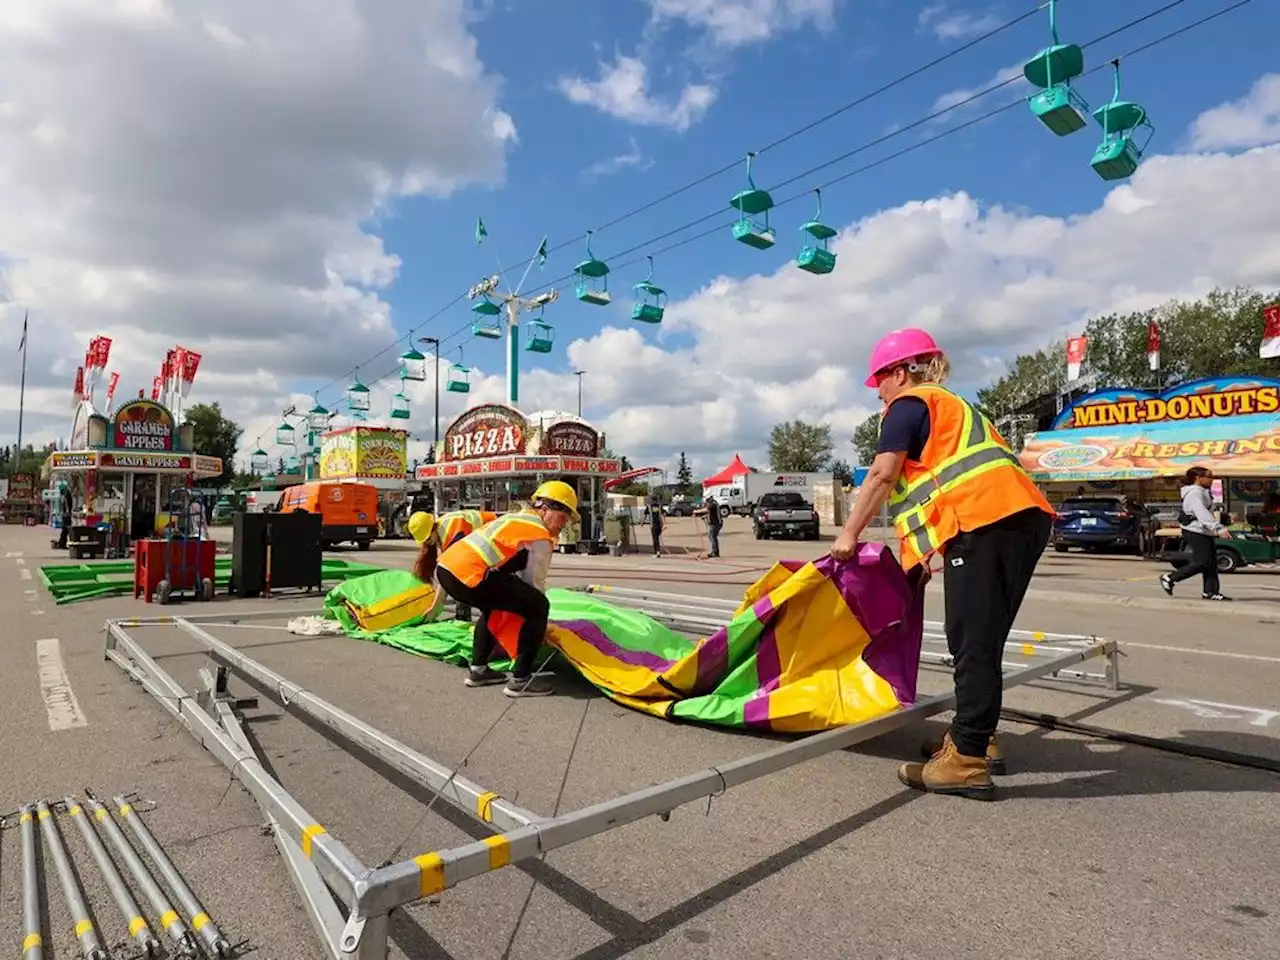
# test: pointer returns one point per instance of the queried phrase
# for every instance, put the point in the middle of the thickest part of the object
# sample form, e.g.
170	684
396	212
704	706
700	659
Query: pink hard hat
898	346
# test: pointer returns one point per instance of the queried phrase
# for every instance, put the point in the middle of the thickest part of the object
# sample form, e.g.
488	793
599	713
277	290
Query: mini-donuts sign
143	425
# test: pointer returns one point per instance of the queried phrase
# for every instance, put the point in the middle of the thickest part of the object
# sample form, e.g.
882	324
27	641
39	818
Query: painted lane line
24	574
12	554
1211	710
29	596
20	562
1207	653
37	612
59	699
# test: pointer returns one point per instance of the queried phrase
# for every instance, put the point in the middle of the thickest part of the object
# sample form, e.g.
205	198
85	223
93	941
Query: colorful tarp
812	646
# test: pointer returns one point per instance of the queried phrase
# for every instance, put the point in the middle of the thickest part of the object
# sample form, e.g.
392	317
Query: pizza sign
491	430
143	425
571	439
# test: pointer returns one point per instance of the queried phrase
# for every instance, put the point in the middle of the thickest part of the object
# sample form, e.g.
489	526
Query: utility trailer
319	863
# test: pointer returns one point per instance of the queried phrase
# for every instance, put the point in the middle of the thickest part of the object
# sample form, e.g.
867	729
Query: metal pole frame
317	861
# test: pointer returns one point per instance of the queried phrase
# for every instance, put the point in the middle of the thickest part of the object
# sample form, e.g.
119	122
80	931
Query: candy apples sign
143	425
490	430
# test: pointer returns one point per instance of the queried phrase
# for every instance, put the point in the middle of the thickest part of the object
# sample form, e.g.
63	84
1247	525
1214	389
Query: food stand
122	470
1140	443
493	456
378	456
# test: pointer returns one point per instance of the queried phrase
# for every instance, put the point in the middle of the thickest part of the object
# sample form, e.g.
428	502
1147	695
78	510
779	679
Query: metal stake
159	900
187	900
138	928
32	942
88	937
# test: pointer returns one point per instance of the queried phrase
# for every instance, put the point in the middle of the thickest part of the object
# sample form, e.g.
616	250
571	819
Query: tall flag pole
22	390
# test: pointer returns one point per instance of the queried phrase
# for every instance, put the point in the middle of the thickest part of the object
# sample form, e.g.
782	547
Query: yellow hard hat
421	526
557	491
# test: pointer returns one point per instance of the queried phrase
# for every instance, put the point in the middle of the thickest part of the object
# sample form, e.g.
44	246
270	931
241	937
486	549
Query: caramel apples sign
143	425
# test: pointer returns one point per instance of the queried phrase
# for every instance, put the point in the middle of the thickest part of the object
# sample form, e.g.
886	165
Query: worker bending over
435	535
955	488
503	566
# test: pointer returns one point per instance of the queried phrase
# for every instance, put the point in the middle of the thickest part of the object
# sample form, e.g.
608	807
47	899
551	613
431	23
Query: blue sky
765	90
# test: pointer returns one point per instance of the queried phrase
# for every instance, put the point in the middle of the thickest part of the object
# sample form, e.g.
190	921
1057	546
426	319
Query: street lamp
435	343
578	374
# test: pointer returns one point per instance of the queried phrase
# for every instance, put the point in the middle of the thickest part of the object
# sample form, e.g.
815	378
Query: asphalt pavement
1096	849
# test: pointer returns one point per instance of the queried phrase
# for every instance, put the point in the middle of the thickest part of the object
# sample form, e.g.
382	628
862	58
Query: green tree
865	438
684	474
1030	376
800	447
842	471
215	436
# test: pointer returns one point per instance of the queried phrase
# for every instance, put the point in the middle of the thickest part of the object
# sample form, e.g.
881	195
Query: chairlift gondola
486	329
1118	155
753	202
650	300
413	365
1057	104
541	336
400	405
593	279
284	435
318	417
815	257
258	460
357	395
457	380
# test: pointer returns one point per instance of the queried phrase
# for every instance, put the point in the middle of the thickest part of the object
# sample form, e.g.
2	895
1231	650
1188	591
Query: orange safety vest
481	551
967	477
459	523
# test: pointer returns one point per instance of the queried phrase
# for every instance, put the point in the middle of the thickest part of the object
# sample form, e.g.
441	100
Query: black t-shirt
905	428
713	514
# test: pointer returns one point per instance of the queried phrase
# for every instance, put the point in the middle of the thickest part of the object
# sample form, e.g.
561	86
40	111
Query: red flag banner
190	364
1153	345
1269	348
1075	356
79	388
156	386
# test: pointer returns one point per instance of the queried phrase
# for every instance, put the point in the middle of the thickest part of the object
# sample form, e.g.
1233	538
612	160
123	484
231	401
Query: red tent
736	469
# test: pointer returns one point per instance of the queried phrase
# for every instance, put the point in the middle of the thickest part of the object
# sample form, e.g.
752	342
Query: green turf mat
69	582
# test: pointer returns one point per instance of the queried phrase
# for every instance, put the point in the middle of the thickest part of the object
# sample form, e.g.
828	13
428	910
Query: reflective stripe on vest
461	522
475	555
980	451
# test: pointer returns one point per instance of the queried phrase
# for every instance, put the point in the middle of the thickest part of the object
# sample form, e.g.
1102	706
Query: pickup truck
782	514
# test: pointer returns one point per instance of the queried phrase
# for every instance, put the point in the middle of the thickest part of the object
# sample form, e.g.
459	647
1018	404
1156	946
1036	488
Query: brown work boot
995	756
950	771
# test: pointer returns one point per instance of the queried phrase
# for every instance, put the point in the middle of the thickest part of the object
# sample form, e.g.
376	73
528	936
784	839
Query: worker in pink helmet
954	489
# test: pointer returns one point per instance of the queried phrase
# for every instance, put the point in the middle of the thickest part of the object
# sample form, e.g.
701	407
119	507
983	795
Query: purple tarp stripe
713	658
755	712
878	593
593	635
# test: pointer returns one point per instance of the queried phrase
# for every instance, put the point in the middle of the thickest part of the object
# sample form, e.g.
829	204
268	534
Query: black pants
502	591
985	575
1204	560
656	532
64	526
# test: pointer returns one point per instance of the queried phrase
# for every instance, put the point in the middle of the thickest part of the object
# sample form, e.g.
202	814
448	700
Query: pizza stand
494	456
1140	443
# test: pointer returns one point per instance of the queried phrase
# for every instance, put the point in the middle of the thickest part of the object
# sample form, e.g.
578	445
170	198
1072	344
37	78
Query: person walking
1199	528
65	507
955	488
503	566
656	522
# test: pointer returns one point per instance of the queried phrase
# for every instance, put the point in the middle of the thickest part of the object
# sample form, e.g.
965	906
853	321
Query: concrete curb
1261	610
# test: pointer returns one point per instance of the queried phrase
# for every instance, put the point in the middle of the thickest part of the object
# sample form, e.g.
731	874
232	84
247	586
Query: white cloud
1248	122
622	91
205	173
632	158
956	25
1014	91
736	23
988	281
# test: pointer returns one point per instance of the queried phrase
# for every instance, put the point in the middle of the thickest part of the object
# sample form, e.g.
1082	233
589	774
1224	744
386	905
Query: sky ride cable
562	282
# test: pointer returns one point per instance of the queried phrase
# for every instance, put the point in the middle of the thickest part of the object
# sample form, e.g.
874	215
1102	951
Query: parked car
1242	549
681	508
781	514
1104	522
